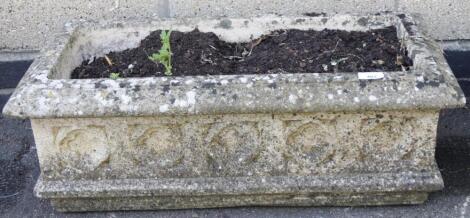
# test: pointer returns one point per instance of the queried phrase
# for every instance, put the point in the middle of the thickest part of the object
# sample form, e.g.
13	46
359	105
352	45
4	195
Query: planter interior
234	140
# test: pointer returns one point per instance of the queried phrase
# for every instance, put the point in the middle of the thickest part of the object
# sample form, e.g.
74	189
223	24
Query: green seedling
114	76
164	55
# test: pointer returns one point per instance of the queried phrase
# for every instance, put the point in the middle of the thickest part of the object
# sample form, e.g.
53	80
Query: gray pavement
19	170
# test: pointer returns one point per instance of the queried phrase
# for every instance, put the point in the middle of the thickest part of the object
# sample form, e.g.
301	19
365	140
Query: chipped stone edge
429	85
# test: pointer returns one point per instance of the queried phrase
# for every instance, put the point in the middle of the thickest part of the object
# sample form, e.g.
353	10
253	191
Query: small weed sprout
114	76
164	55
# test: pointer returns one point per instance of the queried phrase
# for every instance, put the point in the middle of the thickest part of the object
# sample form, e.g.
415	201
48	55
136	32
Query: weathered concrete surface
450	202
344	159
27	24
429	85
235	145
117	145
443	20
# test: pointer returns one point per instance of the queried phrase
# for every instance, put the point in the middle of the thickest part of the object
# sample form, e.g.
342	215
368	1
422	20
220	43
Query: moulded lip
44	93
366	183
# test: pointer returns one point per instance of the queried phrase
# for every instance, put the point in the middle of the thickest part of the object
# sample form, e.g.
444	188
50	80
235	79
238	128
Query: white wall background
27	24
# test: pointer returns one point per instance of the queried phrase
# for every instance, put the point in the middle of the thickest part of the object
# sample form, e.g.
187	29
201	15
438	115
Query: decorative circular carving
316	147
387	140
311	144
160	145
88	147
232	147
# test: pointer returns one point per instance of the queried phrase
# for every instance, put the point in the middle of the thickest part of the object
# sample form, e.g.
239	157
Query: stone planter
220	141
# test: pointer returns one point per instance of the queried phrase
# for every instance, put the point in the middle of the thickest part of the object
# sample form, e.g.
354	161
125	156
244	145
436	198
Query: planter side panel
236	145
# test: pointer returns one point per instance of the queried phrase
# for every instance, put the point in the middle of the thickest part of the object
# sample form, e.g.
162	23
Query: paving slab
11	73
459	62
442	19
3	99
454	124
27	24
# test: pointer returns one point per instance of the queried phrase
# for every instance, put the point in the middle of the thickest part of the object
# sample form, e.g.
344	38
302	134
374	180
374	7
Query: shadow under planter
234	140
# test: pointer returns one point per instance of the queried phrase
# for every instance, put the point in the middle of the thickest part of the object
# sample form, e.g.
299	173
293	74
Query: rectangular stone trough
236	140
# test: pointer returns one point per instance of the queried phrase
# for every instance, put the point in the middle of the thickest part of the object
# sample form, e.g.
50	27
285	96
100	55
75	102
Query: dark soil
292	51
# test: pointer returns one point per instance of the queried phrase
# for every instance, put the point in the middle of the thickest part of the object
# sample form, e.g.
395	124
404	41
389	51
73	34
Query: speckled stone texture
211	161
223	141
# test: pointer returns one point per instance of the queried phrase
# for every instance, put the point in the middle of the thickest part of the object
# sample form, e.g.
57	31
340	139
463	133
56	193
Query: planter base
149	194
153	203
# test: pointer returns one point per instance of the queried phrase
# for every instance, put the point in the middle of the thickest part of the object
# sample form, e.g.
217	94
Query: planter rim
42	93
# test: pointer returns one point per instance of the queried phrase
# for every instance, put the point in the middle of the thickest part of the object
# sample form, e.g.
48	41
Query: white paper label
370	75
